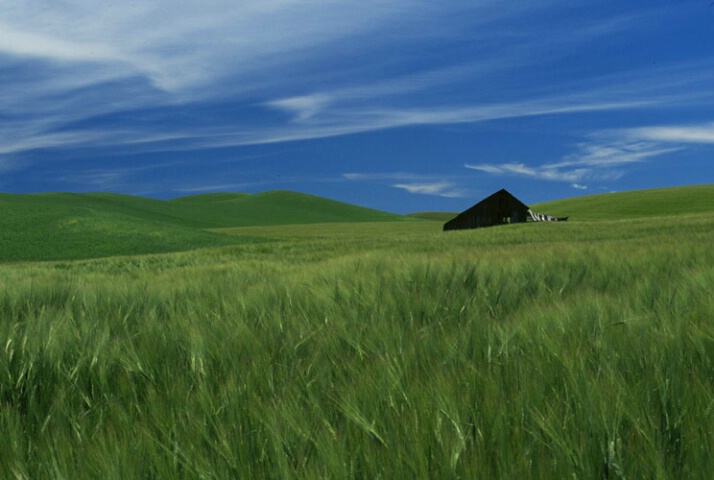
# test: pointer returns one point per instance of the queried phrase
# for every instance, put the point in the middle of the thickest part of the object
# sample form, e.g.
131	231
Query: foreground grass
579	350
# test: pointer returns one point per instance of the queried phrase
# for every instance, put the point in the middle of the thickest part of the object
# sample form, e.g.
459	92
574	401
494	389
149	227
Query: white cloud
371	177
328	115
396	177
614	153
608	152
36	44
441	189
118	178
221	187
303	107
92	59
437	185
543	172
605	154
80	60
682	134
188	45
424	188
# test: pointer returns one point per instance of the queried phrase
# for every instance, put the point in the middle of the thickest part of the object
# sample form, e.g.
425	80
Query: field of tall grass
391	350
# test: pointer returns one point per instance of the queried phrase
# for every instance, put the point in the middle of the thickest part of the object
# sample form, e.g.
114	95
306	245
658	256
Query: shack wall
498	209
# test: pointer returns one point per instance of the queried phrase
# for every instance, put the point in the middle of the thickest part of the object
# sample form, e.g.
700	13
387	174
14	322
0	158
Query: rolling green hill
65	226
368	350
435	216
633	204
278	207
58	226
671	201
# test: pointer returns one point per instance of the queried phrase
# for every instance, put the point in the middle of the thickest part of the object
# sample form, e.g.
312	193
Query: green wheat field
204	338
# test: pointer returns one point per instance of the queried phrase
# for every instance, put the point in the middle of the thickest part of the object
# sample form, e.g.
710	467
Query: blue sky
398	105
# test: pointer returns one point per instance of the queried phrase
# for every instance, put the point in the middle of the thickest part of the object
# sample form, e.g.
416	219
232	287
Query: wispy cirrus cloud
542	172
331	114
65	64
91	60
575	170
441	189
188	46
606	154
391	103
312	117
437	185
95	77
598	156
677	134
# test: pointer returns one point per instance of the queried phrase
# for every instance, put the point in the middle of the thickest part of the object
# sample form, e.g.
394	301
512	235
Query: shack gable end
498	209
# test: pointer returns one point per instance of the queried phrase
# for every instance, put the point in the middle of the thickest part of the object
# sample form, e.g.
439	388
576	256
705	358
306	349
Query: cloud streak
188	48
607	153
543	172
92	77
679	134
435	185
160	55
441	189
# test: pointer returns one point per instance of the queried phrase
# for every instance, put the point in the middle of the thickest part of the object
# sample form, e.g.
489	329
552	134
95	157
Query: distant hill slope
619	205
280	207
632	204
57	226
434	216
66	226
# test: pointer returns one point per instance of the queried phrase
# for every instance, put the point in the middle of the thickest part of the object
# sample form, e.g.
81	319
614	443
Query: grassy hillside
281	207
68	226
435	216
639	203
673	201
358	350
580	350
65	226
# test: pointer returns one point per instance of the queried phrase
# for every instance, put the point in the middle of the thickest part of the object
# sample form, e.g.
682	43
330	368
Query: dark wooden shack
498	209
